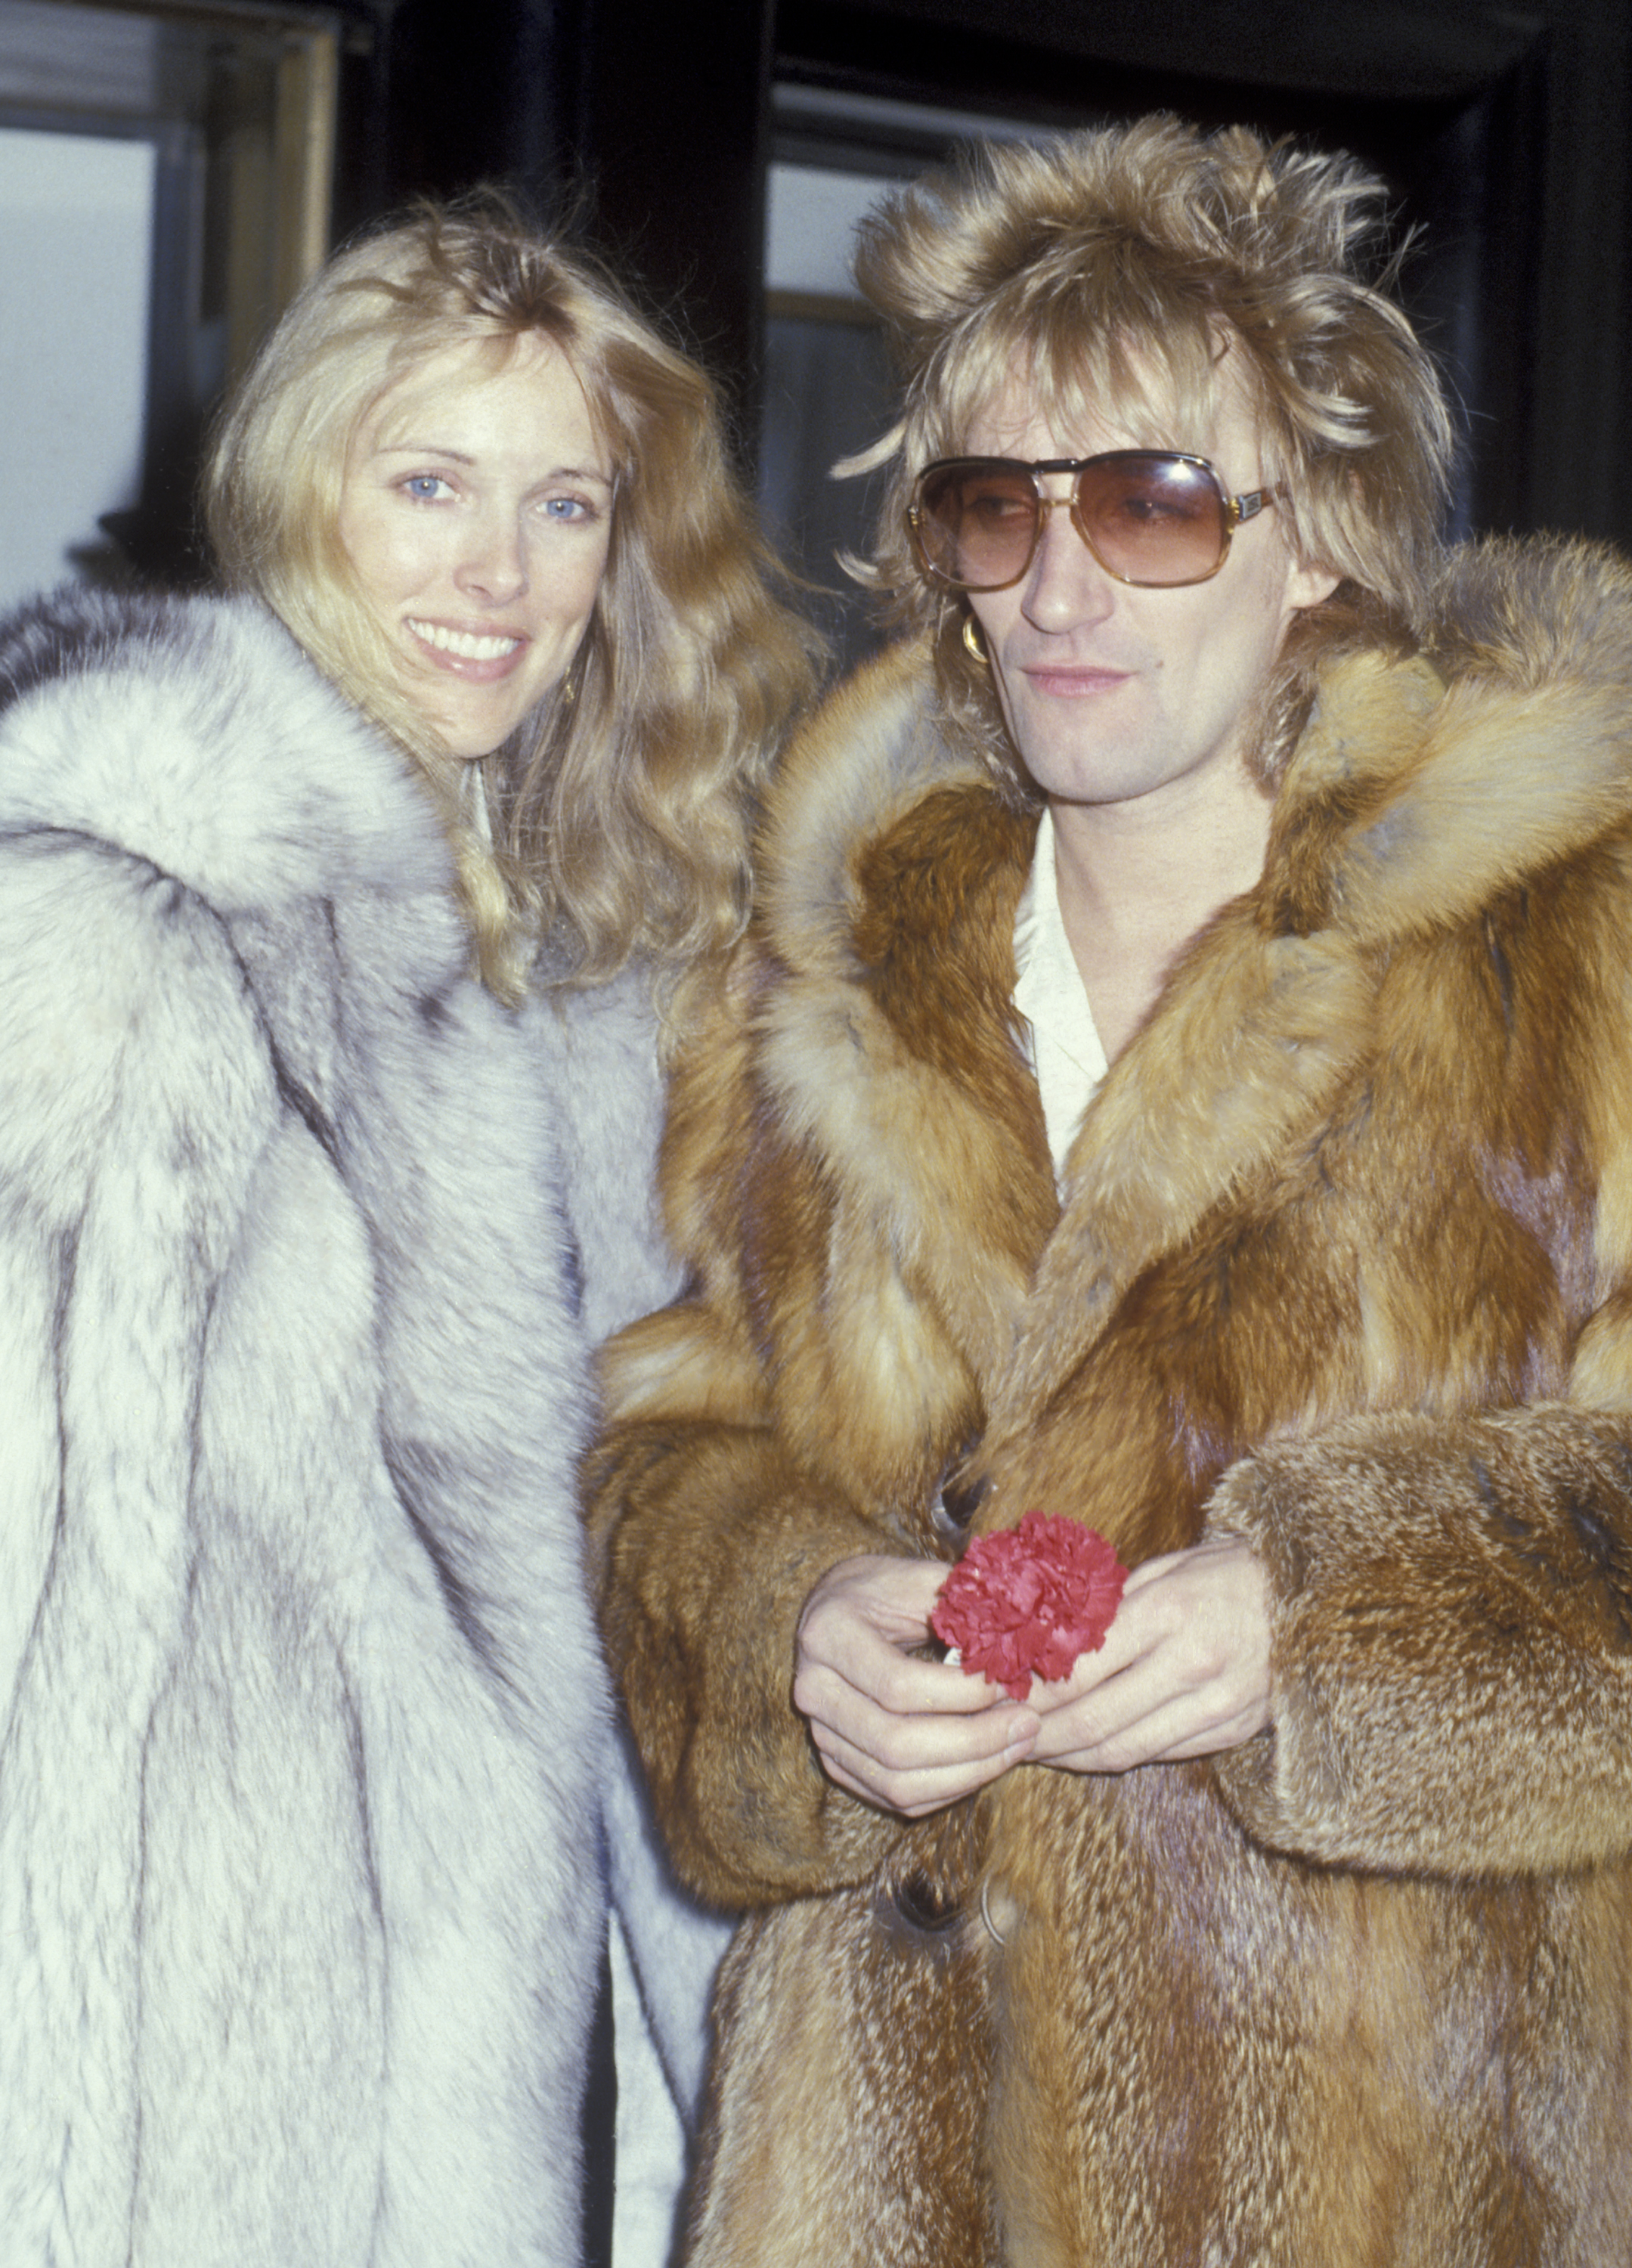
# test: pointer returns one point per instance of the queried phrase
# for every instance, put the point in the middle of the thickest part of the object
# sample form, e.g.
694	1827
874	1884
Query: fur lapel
193	734
1421	792
890	861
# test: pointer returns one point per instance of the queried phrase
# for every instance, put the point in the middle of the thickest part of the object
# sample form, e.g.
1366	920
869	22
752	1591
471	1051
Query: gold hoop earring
971	642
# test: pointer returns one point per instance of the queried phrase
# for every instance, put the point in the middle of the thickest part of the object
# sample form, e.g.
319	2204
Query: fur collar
193	734
1421	792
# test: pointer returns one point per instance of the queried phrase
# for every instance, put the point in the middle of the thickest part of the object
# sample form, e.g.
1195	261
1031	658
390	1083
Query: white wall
75	258
811	225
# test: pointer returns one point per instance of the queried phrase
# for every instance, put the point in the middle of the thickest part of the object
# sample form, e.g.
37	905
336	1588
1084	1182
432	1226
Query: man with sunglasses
1180	1076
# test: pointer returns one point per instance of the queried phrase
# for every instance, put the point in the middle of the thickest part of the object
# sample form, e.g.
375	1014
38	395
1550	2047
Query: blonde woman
306	1735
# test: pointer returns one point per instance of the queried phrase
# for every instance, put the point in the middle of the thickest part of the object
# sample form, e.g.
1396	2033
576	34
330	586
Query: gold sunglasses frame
1233	510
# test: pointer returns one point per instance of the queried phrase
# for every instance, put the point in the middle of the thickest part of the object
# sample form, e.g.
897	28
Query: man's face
1114	695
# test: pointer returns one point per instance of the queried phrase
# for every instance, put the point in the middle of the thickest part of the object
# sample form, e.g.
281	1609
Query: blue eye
569	512
425	488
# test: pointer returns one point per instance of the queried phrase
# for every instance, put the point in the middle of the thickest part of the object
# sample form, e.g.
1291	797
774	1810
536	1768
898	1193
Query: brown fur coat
1344	1265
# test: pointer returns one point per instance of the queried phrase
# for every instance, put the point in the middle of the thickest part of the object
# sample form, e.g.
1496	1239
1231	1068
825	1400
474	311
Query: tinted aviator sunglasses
1151	516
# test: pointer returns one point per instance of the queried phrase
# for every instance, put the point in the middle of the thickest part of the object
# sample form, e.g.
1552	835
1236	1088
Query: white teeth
468	647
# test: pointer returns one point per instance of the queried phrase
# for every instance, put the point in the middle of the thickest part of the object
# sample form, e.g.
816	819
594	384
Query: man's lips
1080	681
482	655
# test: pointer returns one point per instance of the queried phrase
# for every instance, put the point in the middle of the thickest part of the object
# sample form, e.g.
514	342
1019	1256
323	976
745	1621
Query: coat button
958	1499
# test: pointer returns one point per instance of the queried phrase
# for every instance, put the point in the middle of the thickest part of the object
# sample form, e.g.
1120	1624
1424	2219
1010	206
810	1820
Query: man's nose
1065	583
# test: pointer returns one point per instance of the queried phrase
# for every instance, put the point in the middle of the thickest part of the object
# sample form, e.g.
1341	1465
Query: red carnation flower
1030	1598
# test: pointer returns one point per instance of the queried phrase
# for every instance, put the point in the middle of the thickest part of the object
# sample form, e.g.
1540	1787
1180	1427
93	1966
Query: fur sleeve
713	1534
715	1543
1452	1643
138	1099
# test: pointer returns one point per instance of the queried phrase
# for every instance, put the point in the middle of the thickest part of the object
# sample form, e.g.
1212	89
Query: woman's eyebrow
461	457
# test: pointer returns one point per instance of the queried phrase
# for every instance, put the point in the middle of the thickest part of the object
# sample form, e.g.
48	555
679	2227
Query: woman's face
476	512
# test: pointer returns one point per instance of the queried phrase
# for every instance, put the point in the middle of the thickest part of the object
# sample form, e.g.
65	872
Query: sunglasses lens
1151	519
977	522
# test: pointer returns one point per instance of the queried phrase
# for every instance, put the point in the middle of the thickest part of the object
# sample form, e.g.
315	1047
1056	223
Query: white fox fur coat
1341	1263
301	1716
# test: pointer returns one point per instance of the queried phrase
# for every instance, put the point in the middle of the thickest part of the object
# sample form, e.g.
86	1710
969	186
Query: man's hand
1184	1670
911	1737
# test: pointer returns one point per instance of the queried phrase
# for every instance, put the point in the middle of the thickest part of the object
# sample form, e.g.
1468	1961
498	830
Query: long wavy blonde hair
1114	268
620	814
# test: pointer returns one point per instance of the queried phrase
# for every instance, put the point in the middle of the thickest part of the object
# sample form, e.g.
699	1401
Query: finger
915	1789
905	1739
914	1794
903	1683
1101	1724
1138	1722
892	1598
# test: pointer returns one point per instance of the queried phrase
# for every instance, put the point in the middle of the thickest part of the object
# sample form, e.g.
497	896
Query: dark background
1500	127
1504	128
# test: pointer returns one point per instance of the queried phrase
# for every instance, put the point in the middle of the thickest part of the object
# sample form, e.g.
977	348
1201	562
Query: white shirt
1049	994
